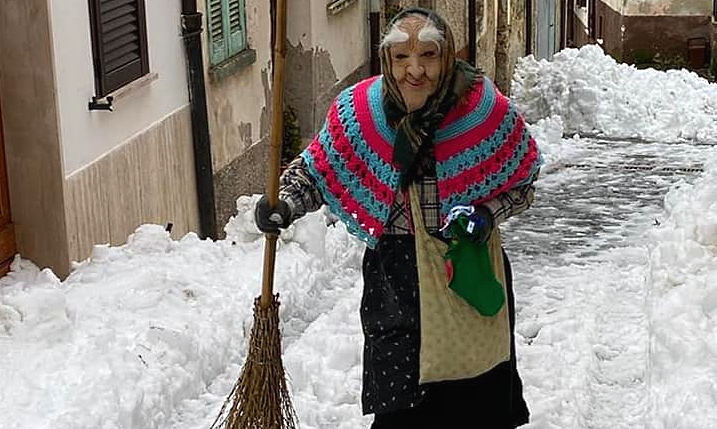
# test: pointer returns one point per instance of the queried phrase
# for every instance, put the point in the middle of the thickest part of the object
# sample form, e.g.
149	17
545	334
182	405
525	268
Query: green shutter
227	29
217	40
236	21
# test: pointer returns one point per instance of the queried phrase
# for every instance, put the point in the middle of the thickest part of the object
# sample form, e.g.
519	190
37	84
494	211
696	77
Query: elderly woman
433	121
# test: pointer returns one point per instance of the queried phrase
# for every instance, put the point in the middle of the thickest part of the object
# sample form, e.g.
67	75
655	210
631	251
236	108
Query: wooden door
7	234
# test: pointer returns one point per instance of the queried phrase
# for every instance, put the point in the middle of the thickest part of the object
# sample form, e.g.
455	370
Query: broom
260	398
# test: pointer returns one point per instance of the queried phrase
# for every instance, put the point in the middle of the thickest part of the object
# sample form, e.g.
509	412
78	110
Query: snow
683	262
596	95
619	330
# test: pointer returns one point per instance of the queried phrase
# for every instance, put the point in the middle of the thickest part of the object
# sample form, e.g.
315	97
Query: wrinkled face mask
416	64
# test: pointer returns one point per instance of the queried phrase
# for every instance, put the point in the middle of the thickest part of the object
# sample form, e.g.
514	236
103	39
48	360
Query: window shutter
119	42
217	41
237	34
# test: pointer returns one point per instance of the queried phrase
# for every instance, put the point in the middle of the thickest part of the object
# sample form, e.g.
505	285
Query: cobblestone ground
582	281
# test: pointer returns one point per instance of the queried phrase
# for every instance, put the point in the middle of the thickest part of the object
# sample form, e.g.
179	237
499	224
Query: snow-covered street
615	273
584	279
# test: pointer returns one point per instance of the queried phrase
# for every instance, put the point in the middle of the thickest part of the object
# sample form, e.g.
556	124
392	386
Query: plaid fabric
299	191
297	188
400	220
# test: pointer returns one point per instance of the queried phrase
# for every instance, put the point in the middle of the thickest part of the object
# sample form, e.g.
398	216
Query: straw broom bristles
260	398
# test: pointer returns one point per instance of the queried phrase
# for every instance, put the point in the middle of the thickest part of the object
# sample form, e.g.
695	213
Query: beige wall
31	133
344	35
487	39
148	179
455	13
516	38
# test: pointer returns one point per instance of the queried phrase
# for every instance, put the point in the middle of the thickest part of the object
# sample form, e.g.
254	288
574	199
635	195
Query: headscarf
415	130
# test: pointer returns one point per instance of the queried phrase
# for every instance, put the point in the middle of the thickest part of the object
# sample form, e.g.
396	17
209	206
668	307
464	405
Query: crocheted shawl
482	149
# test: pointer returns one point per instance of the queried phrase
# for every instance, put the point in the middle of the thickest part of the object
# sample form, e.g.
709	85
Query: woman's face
415	65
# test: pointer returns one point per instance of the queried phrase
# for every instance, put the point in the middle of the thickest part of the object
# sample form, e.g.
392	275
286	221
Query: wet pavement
602	196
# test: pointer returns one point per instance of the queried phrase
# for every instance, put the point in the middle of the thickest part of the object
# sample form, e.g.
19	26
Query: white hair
429	32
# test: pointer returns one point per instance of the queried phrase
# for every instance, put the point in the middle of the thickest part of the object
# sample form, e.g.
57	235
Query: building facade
78	174
669	32
107	123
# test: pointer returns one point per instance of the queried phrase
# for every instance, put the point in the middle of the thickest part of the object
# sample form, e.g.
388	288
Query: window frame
232	43
108	81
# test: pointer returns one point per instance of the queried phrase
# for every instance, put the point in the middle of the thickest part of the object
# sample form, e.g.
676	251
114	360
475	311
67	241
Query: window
119	43
227	29
581	3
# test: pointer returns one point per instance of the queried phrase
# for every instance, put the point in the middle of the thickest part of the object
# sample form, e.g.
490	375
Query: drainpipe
563	19
374	19
472	30
529	27
191	33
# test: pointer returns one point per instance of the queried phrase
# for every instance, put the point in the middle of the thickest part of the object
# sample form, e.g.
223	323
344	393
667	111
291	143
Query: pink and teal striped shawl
482	149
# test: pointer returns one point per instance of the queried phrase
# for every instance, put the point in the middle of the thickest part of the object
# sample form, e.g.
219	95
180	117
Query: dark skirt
391	325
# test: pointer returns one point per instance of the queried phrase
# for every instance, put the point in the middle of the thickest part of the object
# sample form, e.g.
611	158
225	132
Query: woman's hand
480	224
268	219
473	222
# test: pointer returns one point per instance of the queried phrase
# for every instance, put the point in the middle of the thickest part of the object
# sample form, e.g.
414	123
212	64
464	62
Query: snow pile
596	95
548	134
684	312
147	334
131	333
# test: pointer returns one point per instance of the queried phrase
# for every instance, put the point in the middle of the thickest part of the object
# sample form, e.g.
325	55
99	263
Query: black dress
391	326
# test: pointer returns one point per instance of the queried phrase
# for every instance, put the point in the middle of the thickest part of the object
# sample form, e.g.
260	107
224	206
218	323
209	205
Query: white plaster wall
299	23
344	35
661	7
85	135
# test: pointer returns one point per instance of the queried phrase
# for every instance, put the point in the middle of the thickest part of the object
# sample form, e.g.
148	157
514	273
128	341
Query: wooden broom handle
275	140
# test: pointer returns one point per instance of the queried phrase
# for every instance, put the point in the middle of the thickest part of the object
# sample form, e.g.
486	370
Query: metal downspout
191	33
472	30
374	18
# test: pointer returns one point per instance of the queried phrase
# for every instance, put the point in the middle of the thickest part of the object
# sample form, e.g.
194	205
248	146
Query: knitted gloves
474	223
269	220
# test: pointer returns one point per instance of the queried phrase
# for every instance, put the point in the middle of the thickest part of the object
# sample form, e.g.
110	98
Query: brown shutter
119	43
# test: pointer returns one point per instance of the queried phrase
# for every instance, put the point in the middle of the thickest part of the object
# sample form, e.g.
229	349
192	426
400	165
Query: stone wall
647	36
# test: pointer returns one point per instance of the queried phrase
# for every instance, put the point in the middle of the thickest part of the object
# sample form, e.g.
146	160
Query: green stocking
471	275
